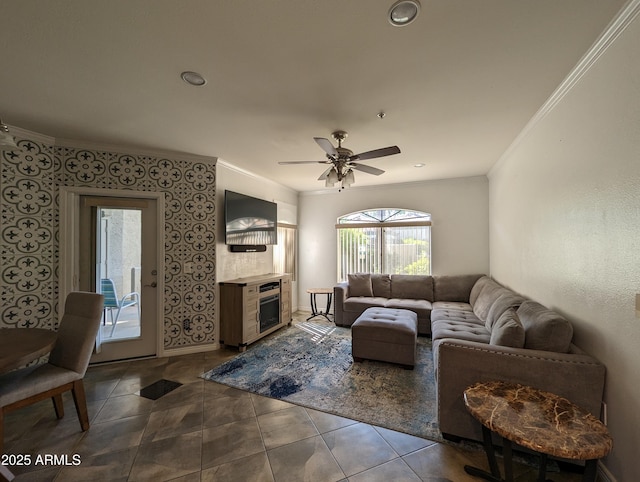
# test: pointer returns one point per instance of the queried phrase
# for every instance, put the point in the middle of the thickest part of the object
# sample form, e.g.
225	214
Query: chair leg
5	474
1	430
58	405
80	400
113	325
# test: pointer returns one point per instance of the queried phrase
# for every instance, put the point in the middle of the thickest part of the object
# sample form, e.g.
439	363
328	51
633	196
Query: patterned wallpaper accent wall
29	232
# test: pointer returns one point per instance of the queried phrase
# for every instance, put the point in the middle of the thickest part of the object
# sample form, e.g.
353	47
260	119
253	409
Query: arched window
387	240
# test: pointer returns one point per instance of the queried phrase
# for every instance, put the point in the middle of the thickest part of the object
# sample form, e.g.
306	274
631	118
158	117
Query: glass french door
118	259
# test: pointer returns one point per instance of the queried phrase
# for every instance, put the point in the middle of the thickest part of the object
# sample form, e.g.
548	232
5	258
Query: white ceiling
457	85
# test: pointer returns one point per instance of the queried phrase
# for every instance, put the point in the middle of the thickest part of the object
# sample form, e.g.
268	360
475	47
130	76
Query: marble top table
19	346
538	420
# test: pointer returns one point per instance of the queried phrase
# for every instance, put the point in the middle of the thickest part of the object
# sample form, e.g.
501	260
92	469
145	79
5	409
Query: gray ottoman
385	334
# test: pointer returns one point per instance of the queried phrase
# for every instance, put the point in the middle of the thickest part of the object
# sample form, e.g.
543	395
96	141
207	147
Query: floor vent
159	389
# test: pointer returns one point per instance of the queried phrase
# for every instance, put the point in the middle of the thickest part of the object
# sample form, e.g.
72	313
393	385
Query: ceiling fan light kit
343	161
349	178
332	178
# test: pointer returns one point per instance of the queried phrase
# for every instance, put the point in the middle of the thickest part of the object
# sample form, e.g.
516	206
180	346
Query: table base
314	307
589	474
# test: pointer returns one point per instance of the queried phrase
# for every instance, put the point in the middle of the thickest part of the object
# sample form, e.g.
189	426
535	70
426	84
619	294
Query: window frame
380	219
289	262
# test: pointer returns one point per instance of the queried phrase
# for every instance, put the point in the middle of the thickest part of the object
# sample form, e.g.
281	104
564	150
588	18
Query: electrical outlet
604	413
188	268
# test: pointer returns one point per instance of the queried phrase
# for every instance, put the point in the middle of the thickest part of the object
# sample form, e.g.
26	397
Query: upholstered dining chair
66	367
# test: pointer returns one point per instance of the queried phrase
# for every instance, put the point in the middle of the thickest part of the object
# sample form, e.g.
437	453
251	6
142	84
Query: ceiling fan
343	161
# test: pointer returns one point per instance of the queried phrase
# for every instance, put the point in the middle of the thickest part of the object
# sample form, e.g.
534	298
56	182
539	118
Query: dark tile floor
204	431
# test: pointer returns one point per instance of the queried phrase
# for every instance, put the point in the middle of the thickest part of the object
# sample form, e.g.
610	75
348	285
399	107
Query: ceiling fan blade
385	151
326	146
303	162
324	175
368	169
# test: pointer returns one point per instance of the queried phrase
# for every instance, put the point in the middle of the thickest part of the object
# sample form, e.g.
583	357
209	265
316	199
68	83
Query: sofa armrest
575	376
340	294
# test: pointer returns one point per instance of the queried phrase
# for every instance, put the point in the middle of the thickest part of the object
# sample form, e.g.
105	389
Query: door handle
152	285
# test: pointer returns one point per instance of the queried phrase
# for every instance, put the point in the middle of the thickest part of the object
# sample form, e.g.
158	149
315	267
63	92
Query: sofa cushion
460	331
507	330
477	288
460	326
451	305
361	303
455	315
415	287
420	307
489	294
381	284
443	314
454	288
360	284
544	329
507	299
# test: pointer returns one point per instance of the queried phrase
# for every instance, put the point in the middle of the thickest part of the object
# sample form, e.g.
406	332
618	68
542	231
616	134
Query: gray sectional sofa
481	331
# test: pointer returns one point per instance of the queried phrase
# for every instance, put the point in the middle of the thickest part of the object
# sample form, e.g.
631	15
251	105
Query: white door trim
69	241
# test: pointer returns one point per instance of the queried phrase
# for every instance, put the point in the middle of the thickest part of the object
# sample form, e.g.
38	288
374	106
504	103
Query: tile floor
205	431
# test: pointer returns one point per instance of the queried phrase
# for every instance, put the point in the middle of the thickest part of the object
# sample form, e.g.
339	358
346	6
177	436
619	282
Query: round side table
313	292
538	420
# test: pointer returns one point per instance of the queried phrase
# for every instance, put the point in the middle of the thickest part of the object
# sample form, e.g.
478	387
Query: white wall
238	265
459	236
565	227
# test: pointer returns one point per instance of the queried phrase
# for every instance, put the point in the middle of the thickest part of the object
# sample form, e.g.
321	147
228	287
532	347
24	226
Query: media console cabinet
253	307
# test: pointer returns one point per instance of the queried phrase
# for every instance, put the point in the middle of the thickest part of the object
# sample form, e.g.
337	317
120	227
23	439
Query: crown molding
21	133
95	146
616	27
253	175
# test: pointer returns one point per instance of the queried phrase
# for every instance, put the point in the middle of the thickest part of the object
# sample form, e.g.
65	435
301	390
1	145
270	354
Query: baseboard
188	350
603	474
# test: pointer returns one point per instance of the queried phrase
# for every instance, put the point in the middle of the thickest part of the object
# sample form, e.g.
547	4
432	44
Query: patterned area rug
310	364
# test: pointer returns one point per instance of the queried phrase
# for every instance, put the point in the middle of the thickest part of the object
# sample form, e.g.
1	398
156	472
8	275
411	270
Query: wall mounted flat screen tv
249	221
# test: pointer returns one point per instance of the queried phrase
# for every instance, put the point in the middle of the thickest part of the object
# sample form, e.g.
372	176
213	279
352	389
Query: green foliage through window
393	241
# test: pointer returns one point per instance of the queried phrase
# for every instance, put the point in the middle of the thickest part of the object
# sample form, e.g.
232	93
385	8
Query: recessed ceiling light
419	165
403	12
193	78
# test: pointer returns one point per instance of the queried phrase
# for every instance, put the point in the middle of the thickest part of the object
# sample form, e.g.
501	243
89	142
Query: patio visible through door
117	252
